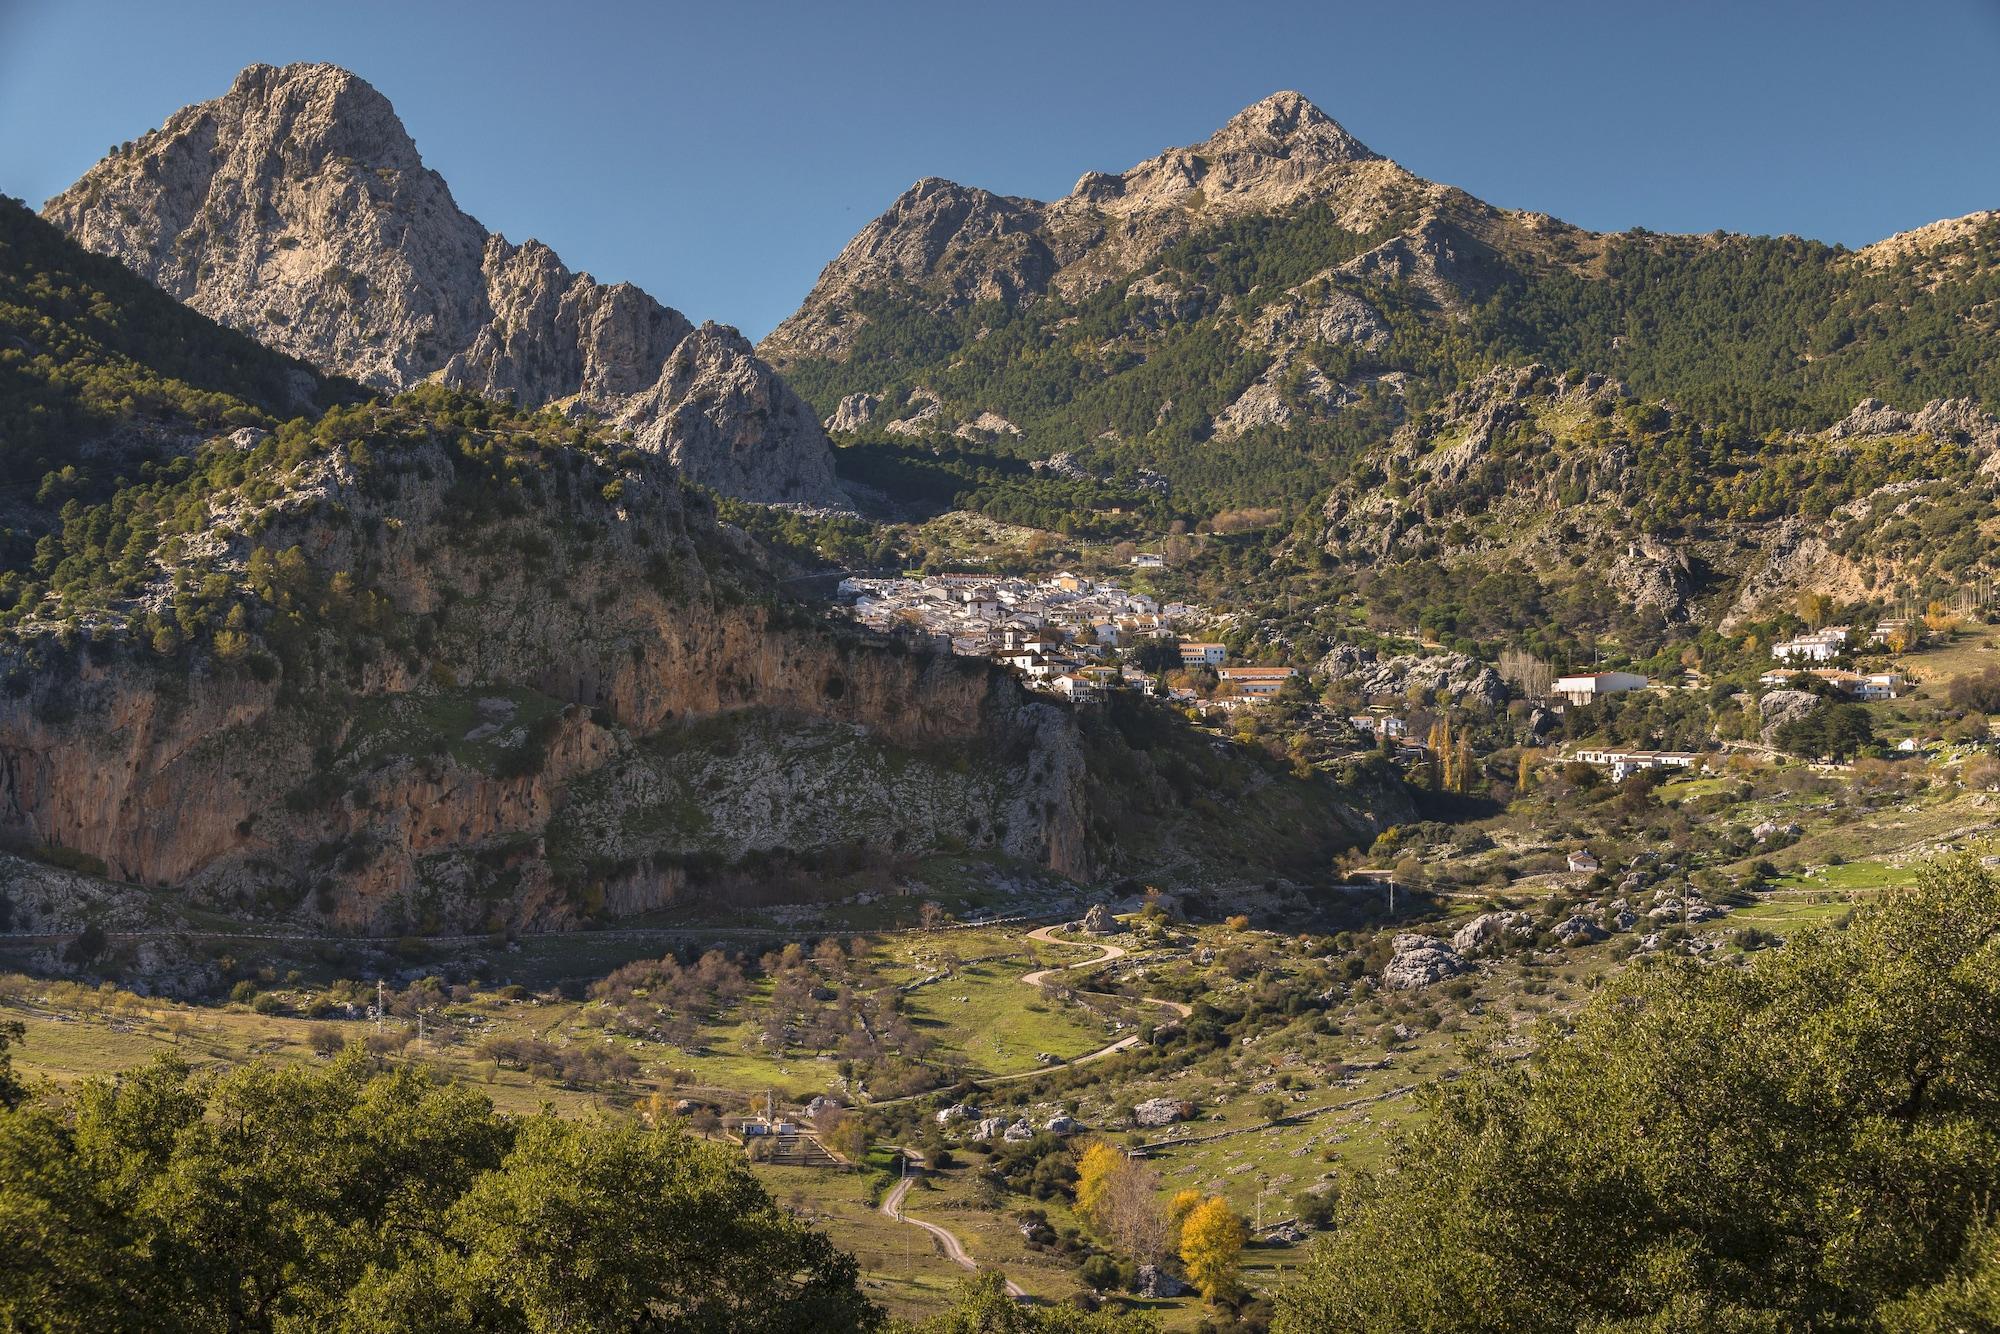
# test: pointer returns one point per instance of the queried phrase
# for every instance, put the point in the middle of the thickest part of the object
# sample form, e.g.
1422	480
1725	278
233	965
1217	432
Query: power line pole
380	1007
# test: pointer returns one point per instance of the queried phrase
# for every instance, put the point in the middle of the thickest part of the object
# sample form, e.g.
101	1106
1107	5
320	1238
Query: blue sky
719	154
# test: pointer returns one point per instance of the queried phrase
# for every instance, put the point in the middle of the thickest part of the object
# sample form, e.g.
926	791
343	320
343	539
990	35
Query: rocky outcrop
1578	929
1316	311
1454	676
1653	574
296	208
985	426
1783	706
1156	1112
959	245
1284	394
1953	420
1420	961
854	412
1489	930
1790	555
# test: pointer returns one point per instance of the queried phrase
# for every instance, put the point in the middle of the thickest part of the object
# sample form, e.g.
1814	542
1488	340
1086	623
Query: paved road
954	1250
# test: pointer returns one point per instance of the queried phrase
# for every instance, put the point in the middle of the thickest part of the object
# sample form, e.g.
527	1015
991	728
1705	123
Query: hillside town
1065	634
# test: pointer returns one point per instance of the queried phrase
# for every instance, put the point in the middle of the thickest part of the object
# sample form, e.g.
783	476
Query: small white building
1871	687
1255	681
1624	763
1203	655
1147	560
1595	686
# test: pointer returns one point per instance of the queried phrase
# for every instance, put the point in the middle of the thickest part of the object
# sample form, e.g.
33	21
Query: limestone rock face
853	412
1654	574
682	724
1281	396
297	209
1488	928
1453	675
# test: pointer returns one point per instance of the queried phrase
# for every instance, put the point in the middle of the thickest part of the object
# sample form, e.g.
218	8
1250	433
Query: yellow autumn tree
1212	1241
1095	1170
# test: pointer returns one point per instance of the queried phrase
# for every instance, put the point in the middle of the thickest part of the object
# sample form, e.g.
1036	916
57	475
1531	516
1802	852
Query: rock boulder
1419	961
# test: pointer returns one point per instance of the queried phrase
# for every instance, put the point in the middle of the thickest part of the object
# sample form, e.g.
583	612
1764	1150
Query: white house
1075	687
1202	655
1624	763
1819	646
1596	685
1871	687
1147	560
1255	681
1379	724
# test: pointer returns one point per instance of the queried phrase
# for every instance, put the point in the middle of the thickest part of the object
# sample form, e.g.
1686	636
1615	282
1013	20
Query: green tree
343	1198
1798	1143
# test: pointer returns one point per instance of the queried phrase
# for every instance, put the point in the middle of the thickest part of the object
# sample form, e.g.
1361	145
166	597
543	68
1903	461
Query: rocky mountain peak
1287	124
297	209
954	245
322	107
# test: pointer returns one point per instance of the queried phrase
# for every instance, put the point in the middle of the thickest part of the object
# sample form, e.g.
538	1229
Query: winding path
892	1203
1046	935
954	1250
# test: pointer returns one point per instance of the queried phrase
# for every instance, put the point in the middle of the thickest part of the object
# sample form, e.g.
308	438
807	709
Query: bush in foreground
349	1199
1808	1141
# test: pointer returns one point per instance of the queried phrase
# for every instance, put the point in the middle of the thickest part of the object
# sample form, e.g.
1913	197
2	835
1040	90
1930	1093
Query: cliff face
507	758
296	208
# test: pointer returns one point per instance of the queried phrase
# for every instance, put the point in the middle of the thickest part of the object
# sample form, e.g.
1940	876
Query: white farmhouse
1595	686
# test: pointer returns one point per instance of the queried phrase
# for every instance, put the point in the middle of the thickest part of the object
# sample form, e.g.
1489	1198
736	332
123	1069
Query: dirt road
953	1249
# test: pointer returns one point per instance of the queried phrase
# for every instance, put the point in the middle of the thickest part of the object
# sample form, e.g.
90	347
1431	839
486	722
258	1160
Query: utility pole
379	1006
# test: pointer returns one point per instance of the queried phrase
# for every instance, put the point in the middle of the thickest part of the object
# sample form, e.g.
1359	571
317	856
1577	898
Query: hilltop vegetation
102	375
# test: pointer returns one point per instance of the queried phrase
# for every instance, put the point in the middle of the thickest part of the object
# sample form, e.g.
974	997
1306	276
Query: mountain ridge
297	208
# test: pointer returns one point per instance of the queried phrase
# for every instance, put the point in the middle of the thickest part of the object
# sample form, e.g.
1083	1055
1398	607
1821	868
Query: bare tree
1529	675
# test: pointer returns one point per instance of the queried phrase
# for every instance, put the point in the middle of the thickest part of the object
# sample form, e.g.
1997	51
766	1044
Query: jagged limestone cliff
383	726
297	209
